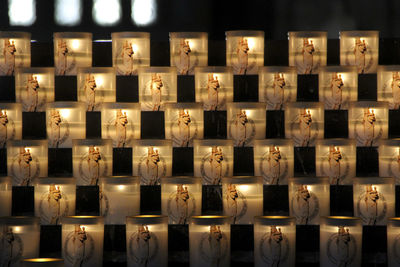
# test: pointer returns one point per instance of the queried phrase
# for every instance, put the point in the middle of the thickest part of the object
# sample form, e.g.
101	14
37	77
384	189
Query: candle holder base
276	200
186	88
275	126
215	124
34	125
127	88
245	88
23	203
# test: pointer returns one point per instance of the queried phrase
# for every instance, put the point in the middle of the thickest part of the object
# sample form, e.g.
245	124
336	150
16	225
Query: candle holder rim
181	180
72	35
34	70
5	179
43	260
119	179
96	70
14	106
120	105
368	104
394	221
250	105
242	180
159	69
152	142
275	220
54	180
384	68
15	34
147	219
184	105
26	142
268	69
307	34
212	142
344	69
65	104
128	34
19	220
82	220
368	33
390	142
92	142
335	142
211	69
373	180
341	220
304	105
269	142
245	33
210	219
188	35
309	180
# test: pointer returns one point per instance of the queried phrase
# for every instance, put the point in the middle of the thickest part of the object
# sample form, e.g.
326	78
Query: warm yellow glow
42	260
308	188
371	110
244	188
65	113
75	44
251	43
191	44
17	229
135	48
121	187
124	112
99	80
38	77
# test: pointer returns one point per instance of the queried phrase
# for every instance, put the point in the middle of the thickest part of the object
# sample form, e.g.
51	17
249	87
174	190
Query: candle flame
75	44
99	81
65	113
135	48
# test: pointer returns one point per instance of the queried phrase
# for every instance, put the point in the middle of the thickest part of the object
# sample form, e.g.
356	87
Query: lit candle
244	51
72	50
26	159
15	51
213	159
5	196
308	51
180	198
147	240
374	199
242	198
82	241
20	238
65	121
214	87
183	123
130	50
340	241
92	159
10	122
274	241
308	199
39	262
188	50
119	197
209	241
54	198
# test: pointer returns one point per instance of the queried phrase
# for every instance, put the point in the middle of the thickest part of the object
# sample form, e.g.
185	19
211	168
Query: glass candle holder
244	51
119	197
308	51
19	238
130	50
10	122
246	122
96	86
157	86
336	159
304	122
242	198
374	199
273	160
72	50
389	159
26	159
209	241
54	198
34	87
213	159
121	123
180	198
82	241
368	122
188	50
274	241
360	49
340	241
393	236
277	86
184	122
45	262
214	87
92	159
147	240
338	85
308	199
39	262
16	51
152	160
389	85
5	195
65	121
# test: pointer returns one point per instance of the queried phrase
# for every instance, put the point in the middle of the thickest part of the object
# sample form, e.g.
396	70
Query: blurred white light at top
106	12
143	12
22	12
68	12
